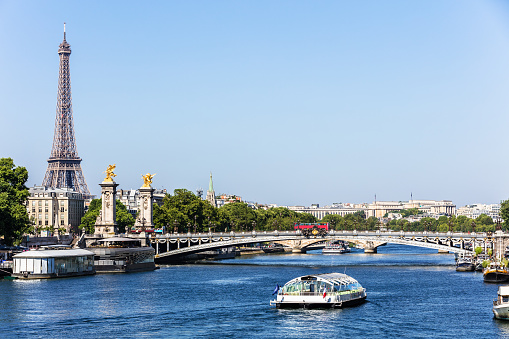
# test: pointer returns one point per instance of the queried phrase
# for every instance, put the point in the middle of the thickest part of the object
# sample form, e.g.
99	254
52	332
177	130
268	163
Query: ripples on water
412	293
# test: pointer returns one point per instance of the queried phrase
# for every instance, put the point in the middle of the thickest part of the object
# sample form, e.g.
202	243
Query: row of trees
185	212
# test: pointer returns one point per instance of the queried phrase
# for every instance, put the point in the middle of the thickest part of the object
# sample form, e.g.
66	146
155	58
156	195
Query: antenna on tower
64	30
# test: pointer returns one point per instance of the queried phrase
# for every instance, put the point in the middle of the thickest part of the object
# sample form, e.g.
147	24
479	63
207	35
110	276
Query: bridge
172	247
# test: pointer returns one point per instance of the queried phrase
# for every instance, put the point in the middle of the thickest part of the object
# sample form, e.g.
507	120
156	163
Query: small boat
496	274
501	304
274	248
330	290
336	247
465	264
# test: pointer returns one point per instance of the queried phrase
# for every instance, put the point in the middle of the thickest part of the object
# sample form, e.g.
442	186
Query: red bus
300	226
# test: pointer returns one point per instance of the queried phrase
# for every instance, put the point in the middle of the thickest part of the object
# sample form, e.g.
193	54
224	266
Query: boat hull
310	305
465	268
501	312
496	277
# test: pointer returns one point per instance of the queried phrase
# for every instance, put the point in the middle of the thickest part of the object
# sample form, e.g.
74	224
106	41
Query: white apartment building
475	210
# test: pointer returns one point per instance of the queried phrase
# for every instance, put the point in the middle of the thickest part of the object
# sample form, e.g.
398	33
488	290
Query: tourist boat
495	274
465	264
122	255
53	262
330	290
501	304
336	247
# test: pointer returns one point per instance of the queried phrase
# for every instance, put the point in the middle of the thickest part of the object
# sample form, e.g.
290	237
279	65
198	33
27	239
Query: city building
475	210
130	199
55	208
379	209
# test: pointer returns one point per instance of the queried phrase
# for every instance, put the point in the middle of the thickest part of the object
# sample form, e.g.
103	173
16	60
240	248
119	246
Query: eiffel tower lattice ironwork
64	169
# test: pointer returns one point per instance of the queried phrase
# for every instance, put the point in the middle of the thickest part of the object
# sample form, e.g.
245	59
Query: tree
336	221
483	219
478	250
124	219
184	212
238	216
14	221
504	211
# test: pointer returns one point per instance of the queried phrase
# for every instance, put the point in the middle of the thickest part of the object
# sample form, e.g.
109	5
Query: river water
412	293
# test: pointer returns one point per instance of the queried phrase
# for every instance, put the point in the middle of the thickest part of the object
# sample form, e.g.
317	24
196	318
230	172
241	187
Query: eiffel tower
64	169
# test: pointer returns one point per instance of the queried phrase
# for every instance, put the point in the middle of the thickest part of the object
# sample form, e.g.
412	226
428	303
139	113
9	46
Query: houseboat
501	304
49	262
122	255
330	290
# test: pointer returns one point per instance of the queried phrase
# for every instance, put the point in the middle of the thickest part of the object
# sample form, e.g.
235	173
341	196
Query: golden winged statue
147	179
109	173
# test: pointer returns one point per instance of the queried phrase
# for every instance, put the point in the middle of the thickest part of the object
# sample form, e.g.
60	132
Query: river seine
412	293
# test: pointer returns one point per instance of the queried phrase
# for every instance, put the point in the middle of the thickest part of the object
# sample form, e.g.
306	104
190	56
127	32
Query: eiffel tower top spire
64	168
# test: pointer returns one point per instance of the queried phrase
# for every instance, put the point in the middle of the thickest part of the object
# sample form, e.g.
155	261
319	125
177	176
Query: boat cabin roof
331	278
118	239
503	290
53	253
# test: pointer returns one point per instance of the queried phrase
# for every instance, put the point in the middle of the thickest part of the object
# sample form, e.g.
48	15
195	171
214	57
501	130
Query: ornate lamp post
195	223
175	226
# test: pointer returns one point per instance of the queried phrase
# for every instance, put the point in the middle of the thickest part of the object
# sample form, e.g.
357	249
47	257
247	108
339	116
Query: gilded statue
109	173
147	179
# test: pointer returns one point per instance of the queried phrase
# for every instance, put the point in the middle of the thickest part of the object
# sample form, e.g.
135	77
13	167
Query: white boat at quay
501	304
330	290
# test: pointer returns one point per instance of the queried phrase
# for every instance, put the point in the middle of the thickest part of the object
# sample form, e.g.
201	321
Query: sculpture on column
109	173
147	179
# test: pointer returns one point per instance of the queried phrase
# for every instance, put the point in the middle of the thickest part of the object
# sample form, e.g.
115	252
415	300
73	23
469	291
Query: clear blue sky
286	102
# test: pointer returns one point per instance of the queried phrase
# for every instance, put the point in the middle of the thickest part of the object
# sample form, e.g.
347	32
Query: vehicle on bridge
330	290
309	229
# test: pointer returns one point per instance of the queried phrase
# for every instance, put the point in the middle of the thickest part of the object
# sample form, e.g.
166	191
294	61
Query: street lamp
175	226
195	223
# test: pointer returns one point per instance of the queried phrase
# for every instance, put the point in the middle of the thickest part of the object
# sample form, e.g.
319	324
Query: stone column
145	219
106	223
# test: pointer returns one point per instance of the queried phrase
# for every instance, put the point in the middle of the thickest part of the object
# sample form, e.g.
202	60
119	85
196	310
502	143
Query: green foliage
504	262
478	250
14	221
485	263
184	210
124	219
490	252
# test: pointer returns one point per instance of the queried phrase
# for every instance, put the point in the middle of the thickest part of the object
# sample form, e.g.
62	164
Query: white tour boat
336	247
501	304
330	290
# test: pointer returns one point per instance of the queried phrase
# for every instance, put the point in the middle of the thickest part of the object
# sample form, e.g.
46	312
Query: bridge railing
331	233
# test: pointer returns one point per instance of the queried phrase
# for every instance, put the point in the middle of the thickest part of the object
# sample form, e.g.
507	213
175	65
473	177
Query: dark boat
496	275
465	265
122	255
274	248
